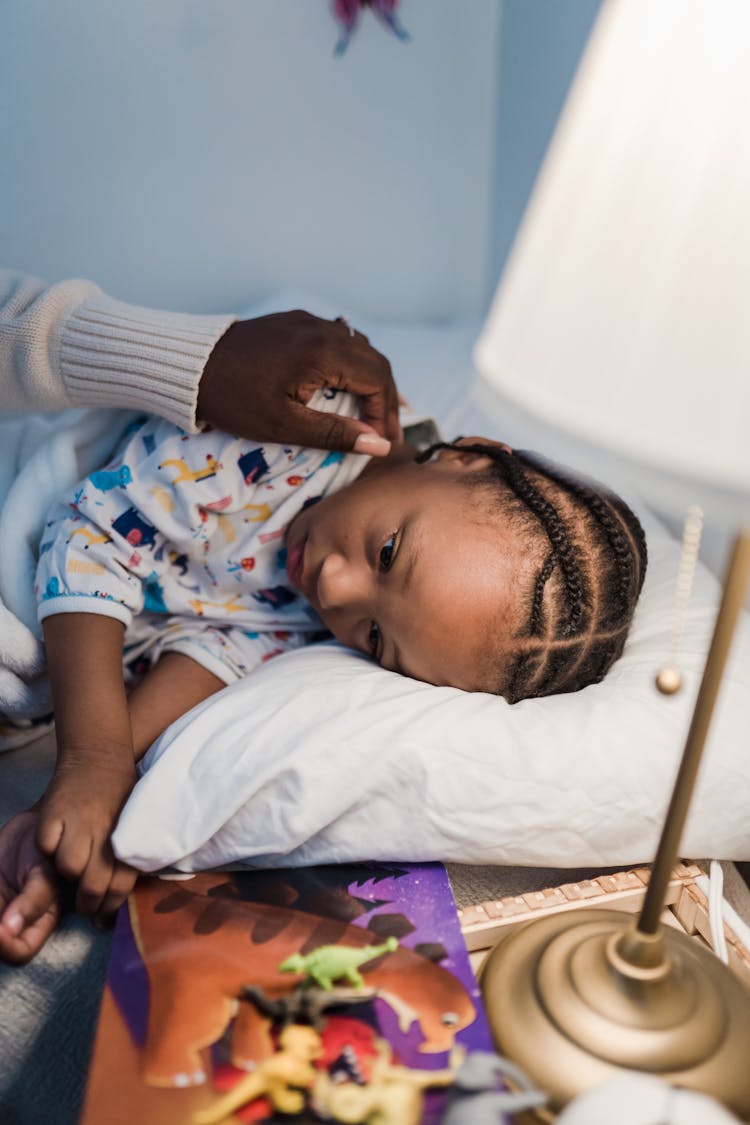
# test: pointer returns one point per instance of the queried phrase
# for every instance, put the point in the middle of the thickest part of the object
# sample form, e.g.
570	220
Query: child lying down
189	560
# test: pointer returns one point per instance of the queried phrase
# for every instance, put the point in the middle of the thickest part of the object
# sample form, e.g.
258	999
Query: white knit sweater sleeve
70	344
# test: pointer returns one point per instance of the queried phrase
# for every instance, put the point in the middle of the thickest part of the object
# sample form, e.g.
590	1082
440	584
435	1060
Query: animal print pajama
181	537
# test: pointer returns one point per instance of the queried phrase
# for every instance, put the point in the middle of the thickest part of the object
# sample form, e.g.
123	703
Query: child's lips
295	561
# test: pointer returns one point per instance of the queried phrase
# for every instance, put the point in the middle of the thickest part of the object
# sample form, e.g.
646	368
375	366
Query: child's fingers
123	881
73	853
95	880
49	833
91	891
31	917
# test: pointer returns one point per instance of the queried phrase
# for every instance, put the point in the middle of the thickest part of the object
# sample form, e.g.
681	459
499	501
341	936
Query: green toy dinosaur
329	963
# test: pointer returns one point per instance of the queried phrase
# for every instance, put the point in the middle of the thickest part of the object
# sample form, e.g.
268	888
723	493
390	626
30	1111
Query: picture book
340	993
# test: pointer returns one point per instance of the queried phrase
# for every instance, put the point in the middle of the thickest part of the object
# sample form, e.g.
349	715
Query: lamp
622	318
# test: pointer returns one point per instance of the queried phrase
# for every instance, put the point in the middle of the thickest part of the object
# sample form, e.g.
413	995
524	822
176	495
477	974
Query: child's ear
470	458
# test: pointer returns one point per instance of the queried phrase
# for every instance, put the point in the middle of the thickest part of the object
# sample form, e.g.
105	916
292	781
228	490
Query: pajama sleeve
99	553
105	548
187	525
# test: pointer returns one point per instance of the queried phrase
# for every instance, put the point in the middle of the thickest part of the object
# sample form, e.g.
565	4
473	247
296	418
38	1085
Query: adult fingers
31	916
333	431
370	377
381	412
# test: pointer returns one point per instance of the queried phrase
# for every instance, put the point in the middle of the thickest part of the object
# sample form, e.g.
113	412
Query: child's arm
101	733
170	689
30	891
95	770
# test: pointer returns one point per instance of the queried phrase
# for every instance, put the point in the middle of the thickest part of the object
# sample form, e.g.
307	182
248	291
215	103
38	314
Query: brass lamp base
574	999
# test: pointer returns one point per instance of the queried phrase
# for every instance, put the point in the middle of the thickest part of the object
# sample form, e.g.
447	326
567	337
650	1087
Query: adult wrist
112	354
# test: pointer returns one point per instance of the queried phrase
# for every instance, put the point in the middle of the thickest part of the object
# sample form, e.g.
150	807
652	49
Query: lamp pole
733	596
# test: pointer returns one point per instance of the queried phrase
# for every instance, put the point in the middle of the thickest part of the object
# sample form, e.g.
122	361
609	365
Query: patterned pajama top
181	537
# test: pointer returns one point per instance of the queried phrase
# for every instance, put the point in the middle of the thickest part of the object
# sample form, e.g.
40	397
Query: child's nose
341	585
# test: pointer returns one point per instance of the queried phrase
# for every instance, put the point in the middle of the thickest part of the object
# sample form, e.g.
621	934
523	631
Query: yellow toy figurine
281	1079
393	1096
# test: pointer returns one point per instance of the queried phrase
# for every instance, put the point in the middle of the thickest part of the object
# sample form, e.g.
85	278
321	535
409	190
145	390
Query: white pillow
321	756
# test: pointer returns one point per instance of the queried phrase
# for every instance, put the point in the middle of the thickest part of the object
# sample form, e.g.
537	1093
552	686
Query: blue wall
540	45
200	154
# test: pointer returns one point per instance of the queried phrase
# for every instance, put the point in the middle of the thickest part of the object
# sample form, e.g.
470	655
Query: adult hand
30	893
262	373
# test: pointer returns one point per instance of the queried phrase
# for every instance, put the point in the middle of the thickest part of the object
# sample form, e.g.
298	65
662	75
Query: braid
522	673
536	605
599	548
562	547
611	522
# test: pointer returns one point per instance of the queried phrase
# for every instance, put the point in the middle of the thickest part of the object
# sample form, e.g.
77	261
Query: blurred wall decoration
347	13
199	156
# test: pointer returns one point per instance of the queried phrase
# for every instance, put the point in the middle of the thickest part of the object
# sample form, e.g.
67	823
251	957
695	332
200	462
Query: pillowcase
321	756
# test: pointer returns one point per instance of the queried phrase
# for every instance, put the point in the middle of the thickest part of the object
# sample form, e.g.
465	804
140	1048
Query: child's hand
30	893
77	817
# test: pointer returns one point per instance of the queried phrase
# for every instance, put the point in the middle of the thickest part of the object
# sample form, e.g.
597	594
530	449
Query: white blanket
41	455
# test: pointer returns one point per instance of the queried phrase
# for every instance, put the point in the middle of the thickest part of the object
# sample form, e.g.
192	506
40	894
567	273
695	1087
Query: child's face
403	564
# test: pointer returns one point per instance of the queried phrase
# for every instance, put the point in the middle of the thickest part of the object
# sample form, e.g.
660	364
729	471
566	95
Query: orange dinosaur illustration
201	949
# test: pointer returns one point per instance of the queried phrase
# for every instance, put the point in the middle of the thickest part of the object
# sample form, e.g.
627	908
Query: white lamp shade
623	315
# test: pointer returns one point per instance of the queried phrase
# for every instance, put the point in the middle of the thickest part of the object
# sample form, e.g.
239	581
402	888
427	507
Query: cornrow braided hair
584	595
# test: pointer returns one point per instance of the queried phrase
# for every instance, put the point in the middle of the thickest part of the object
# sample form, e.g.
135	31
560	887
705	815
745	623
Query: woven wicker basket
686	909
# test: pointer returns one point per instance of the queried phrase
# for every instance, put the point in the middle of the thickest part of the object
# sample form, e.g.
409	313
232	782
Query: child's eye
385	558
373	639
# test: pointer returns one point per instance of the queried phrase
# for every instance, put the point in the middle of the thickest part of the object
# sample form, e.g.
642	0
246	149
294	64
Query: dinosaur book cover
339	993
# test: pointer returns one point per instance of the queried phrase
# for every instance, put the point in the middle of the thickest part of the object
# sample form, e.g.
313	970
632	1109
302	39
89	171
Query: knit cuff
114	354
101	606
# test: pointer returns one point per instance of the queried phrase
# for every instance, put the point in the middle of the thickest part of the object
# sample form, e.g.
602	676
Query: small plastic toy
282	1078
476	1099
329	963
393	1096
304	1004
